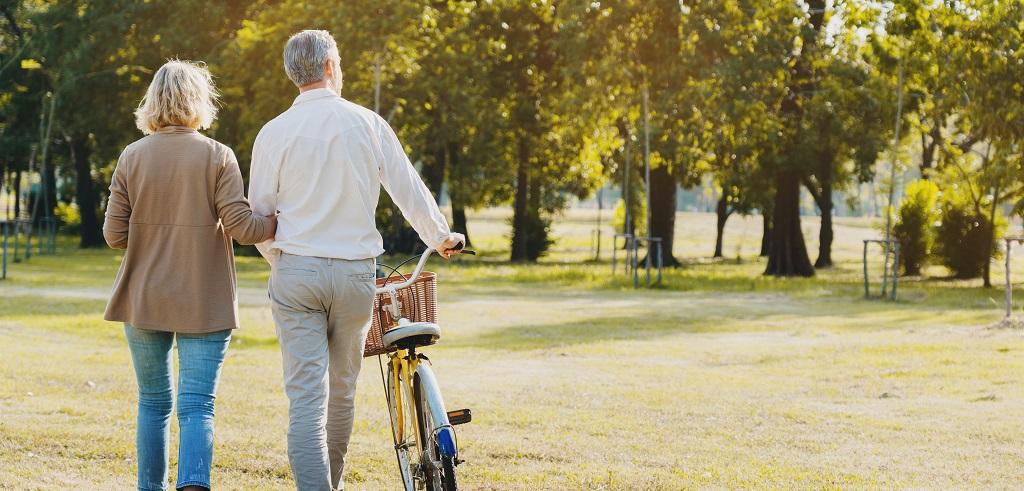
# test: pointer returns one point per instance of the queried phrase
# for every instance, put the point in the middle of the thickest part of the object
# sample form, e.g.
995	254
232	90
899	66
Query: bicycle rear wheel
439	469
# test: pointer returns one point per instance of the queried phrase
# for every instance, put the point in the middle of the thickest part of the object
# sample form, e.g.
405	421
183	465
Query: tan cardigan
176	200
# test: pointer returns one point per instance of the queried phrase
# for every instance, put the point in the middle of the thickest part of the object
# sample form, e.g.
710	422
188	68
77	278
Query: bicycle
426	446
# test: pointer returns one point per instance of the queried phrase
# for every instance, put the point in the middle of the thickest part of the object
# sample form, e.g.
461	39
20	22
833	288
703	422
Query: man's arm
263	183
411	195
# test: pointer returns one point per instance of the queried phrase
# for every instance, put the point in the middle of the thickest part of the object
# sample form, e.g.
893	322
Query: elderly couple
176	202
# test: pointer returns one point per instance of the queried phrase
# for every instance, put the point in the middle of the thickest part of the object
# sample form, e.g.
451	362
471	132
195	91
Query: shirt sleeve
408	191
263	185
233	209
119	208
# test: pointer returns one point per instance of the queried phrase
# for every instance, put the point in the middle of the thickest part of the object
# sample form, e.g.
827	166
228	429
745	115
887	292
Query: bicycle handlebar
419	269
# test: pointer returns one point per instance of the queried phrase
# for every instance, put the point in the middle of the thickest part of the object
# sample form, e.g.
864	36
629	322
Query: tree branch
968	142
970	187
813	189
10	19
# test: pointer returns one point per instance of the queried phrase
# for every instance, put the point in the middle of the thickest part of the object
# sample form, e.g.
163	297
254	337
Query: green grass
720	378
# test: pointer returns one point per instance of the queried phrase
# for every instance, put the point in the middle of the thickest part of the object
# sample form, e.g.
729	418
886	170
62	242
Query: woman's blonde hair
181	94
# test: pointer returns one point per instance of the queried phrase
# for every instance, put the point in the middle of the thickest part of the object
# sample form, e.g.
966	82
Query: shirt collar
314	94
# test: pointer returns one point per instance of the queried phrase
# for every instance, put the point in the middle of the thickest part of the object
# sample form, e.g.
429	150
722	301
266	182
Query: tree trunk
663	211
825	233
537	228
987	276
90	233
50	188
458	208
17	194
788	255
766	233
520	204
433	172
928	147
628	196
459	221
722	213
3	180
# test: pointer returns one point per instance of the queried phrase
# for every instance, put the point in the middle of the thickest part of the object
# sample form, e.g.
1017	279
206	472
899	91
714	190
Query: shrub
962	238
913	228
68	217
638	215
536	239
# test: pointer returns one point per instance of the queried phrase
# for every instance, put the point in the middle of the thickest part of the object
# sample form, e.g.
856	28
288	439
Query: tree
554	143
378	48
99	55
847	127
919	43
743	58
640	53
969	85
788	253
85	67
451	111
22	99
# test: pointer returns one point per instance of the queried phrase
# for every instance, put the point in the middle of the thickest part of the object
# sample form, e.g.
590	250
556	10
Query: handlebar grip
460	248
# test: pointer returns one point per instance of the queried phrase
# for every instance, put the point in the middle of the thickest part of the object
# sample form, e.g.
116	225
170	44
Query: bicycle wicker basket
417	302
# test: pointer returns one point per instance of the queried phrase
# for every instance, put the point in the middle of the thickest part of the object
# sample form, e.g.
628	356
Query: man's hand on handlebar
452	245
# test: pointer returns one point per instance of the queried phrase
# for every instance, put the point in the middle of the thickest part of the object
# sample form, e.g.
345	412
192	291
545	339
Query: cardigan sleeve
119	208
233	209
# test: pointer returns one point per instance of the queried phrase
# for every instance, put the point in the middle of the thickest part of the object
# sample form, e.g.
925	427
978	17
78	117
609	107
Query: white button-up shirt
320	164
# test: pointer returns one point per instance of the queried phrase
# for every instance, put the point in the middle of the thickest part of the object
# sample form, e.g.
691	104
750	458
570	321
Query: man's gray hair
305	55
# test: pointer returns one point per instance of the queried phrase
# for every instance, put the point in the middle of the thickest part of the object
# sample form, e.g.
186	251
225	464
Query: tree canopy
533	104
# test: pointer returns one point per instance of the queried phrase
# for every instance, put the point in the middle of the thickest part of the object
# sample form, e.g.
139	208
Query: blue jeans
200	357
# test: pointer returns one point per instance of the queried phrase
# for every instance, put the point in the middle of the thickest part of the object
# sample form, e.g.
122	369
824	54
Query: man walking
320	164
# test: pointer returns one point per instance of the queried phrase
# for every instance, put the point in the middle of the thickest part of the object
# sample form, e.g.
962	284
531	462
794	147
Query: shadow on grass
707	315
532	337
70	314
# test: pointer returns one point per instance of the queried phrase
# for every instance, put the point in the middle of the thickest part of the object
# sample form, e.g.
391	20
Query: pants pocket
295	289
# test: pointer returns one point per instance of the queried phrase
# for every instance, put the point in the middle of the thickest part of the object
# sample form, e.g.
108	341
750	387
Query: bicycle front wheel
439	469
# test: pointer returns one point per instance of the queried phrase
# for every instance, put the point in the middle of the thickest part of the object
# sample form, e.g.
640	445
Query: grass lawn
721	378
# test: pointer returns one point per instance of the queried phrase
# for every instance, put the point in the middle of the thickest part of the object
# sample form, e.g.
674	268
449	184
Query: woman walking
176	201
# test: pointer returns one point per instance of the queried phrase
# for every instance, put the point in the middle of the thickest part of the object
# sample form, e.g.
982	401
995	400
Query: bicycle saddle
412	334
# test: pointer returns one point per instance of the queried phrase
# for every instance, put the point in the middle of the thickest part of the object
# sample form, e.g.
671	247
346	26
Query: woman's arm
119	209
233	209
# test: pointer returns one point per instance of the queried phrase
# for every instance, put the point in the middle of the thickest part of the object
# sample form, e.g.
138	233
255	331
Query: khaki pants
322	310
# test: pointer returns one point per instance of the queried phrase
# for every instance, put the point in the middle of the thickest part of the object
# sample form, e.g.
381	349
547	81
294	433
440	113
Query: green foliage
535	235
637	215
965	242
398	236
914	228
499	96
68	217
